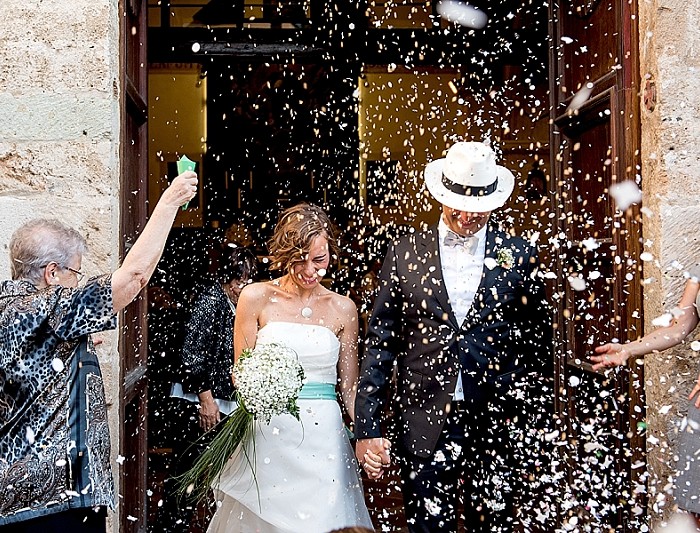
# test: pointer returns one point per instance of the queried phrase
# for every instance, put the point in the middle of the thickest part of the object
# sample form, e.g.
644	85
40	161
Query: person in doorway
687	489
54	441
302	475
204	392
461	313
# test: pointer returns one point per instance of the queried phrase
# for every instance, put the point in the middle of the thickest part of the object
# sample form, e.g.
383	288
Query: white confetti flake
574	381
57	365
120	459
196	47
490	263
577	283
462	14
625	194
30	436
580	98
646	256
590	244
550	437
665	409
663	320
695	346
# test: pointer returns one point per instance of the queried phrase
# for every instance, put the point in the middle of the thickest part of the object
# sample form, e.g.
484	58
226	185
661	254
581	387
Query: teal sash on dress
314	390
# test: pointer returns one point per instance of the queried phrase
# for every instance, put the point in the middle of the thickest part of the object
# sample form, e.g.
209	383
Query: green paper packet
184	164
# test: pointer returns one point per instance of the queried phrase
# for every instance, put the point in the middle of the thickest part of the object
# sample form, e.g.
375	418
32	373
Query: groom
462	314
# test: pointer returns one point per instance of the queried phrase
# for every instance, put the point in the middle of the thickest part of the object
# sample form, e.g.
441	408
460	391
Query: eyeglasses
78	274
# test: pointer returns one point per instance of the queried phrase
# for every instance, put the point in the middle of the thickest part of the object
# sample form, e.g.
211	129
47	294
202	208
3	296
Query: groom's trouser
472	465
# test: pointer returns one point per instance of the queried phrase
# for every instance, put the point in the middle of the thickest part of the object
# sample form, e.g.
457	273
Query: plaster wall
59	135
669	62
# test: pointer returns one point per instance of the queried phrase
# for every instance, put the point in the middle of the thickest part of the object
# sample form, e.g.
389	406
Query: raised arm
685	321
348	364
141	261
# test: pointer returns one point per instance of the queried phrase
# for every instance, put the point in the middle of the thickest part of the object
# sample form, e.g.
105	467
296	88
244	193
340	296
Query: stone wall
59	133
670	61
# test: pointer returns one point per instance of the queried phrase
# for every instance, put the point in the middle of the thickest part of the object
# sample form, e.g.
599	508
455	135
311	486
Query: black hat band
469	190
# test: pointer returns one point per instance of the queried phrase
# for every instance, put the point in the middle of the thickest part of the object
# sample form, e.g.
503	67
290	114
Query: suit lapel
488	275
429	249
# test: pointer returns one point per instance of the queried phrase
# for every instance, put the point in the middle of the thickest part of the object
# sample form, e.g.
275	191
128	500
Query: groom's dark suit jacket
505	336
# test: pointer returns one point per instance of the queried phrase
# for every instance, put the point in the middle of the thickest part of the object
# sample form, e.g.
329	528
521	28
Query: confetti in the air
590	244
580	98
625	194
577	283
462	14
663	320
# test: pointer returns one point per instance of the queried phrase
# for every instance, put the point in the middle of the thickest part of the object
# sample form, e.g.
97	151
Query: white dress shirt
461	274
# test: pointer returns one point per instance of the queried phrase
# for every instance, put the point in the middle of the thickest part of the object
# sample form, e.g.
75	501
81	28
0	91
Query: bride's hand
373	455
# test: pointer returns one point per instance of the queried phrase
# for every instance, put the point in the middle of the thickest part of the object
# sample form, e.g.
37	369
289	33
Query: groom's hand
373	455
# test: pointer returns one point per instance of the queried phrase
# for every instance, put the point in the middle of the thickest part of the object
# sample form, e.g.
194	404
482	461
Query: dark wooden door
595	141
132	342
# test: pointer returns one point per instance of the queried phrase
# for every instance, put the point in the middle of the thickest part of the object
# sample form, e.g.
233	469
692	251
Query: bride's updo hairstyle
296	228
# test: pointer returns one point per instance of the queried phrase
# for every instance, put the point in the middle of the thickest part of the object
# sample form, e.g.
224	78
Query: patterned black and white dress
54	437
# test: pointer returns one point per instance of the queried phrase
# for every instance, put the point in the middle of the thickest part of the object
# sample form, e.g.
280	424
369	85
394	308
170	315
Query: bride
304	476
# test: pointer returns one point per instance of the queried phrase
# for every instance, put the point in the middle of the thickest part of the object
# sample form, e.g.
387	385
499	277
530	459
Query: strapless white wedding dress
306	476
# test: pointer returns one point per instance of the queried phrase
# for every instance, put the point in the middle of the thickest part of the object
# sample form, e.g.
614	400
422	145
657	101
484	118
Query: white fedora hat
468	178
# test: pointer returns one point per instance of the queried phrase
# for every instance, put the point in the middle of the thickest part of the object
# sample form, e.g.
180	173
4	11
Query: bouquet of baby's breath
268	380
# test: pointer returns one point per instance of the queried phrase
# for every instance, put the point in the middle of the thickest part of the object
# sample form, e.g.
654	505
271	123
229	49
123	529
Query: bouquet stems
236	430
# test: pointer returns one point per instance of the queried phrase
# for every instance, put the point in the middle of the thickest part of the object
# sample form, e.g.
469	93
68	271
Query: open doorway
342	106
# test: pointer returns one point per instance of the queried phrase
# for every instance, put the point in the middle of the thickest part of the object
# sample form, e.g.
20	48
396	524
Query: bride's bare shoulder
262	289
342	303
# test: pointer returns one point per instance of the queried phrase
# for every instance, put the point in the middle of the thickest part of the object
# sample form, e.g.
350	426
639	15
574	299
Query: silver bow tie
469	243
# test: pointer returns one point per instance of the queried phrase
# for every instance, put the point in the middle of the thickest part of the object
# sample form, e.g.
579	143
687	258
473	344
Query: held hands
611	354
373	455
181	190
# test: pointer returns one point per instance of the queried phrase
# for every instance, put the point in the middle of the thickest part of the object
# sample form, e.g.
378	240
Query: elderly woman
54	440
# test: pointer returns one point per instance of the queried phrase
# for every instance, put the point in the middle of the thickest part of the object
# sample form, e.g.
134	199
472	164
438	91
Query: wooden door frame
618	89
133	184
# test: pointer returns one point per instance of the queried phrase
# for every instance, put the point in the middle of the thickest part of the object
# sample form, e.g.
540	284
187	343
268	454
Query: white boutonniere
504	258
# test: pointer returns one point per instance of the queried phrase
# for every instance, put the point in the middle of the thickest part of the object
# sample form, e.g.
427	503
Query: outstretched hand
181	190
373	455
694	392
611	354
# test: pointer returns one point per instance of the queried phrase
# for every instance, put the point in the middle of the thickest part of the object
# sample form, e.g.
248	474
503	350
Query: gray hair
41	241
